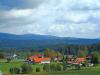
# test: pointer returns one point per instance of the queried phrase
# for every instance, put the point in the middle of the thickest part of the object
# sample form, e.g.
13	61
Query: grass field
4	67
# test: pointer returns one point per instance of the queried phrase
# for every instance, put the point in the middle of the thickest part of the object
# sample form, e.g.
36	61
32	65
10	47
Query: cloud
16	13
64	18
86	5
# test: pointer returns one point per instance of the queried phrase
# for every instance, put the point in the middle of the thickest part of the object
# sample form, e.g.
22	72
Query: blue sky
64	18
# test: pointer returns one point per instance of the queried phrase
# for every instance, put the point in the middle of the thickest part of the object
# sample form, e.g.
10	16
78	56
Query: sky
63	18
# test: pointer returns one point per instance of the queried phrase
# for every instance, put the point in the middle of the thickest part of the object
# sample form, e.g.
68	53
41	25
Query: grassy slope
4	67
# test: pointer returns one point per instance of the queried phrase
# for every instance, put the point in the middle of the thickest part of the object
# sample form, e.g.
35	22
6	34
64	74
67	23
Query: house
40	60
89	58
11	56
77	61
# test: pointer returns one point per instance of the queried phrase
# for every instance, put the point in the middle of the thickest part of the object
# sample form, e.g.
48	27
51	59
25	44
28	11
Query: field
4	67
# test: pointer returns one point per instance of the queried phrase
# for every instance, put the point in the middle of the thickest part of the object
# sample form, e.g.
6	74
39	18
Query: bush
9	60
52	67
2	55
64	65
14	70
26	69
37	69
58	67
46	67
78	67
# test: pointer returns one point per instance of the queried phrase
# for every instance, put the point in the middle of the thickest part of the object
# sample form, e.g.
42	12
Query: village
49	61
70	59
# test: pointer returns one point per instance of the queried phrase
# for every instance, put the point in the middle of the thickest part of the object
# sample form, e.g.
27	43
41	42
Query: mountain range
35	40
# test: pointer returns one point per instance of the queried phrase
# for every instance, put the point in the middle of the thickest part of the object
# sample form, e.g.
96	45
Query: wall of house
44	62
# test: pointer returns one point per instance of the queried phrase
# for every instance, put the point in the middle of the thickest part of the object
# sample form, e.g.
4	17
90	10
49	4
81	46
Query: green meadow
4	67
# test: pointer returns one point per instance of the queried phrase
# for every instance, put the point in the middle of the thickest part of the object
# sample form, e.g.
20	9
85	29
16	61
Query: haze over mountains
35	41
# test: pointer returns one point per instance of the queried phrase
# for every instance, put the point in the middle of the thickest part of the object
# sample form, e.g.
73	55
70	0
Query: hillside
33	40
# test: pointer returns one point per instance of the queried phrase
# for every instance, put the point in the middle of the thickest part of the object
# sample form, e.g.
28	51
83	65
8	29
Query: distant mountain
25	36
35	41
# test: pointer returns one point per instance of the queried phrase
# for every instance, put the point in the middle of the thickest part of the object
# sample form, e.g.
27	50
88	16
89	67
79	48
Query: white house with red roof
38	59
77	61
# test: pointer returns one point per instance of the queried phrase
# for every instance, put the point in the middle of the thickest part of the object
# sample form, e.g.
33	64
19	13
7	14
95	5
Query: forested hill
33	40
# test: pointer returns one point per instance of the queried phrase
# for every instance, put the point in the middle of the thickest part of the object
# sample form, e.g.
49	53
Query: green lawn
4	67
95	71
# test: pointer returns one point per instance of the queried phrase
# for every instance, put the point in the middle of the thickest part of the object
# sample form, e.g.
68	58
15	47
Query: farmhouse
40	60
77	61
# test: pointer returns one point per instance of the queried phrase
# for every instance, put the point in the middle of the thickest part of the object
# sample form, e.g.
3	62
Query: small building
80	60
40	60
89	58
77	61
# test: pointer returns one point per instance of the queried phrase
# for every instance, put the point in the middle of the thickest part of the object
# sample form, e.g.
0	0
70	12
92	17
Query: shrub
14	70
52	67
64	65
26	69
78	67
37	69
9	60
58	67
46	67
2	55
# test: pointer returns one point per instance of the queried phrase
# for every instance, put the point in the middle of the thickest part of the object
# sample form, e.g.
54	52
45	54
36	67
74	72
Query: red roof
77	61
36	59
39	60
80	60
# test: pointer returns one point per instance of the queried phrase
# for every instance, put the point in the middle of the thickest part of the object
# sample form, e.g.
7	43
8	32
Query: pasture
4	67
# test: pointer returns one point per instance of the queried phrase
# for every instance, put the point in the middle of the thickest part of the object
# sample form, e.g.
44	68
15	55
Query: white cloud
70	18
20	13
57	29
86	4
17	13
